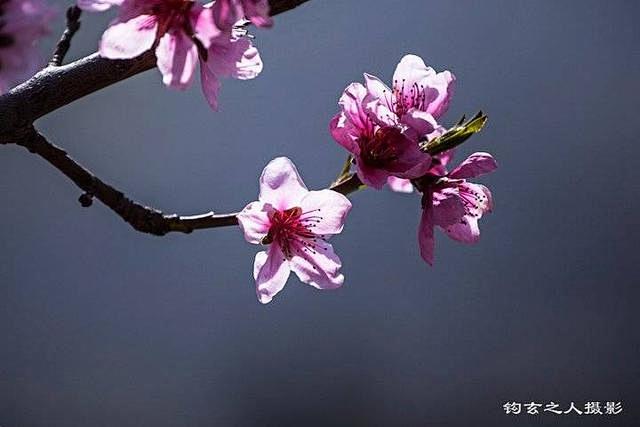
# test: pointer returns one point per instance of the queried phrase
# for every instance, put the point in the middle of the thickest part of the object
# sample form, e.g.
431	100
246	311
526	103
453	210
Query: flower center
380	149
6	40
293	226
404	100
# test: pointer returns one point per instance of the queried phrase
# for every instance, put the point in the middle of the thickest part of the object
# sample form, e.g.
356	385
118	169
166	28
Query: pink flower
415	86
454	204
228	12
22	24
183	33
380	144
295	224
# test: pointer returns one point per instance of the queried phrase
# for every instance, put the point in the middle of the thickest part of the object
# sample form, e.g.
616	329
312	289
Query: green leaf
456	135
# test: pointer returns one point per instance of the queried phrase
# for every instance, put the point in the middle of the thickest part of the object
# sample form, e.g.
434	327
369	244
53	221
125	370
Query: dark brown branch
55	87
142	218
73	25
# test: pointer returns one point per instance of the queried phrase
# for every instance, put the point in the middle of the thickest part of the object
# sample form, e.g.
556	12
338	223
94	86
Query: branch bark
55	87
142	218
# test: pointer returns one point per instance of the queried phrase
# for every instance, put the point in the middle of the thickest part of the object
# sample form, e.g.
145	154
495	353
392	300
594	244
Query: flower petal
373	177
352	103
270	271
426	240
281	185
257	11
254	221
466	230
128	39
421	122
448	208
233	57
344	133
379	90
203	24
327	209
434	89
475	165
177	58
319	267
210	85
400	185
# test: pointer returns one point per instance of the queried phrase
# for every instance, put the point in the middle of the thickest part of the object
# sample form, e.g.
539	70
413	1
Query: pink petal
373	177
319	268
352	105
254	221
249	64
437	88
478	197
448	208
475	165
426	239
328	207
177	58
257	11
465	231
400	185
210	85
379	90
421	122
203	24
281	185
124	40
345	133
444	83
233	57
270	271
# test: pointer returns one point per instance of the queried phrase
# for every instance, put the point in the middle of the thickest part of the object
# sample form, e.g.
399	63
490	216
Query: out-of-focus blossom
295	224
22	24
228	12
183	33
454	204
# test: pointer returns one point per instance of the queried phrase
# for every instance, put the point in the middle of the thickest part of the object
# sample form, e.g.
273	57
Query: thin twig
73	25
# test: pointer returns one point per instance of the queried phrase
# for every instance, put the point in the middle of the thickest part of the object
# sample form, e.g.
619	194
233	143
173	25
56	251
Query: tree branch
142	218
73	25
55	87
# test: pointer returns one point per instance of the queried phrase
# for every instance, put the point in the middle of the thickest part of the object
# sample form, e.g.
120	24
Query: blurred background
104	326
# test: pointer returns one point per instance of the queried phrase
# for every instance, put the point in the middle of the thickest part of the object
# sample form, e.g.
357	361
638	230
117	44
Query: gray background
100	325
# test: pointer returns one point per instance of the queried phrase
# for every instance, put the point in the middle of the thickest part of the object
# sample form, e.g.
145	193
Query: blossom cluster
382	127
185	33
22	24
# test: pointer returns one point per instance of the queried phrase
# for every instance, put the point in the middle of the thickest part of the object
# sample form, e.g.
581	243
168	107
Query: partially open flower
295	224
454	204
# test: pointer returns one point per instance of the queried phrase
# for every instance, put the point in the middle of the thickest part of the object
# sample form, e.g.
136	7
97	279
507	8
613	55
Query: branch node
86	200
